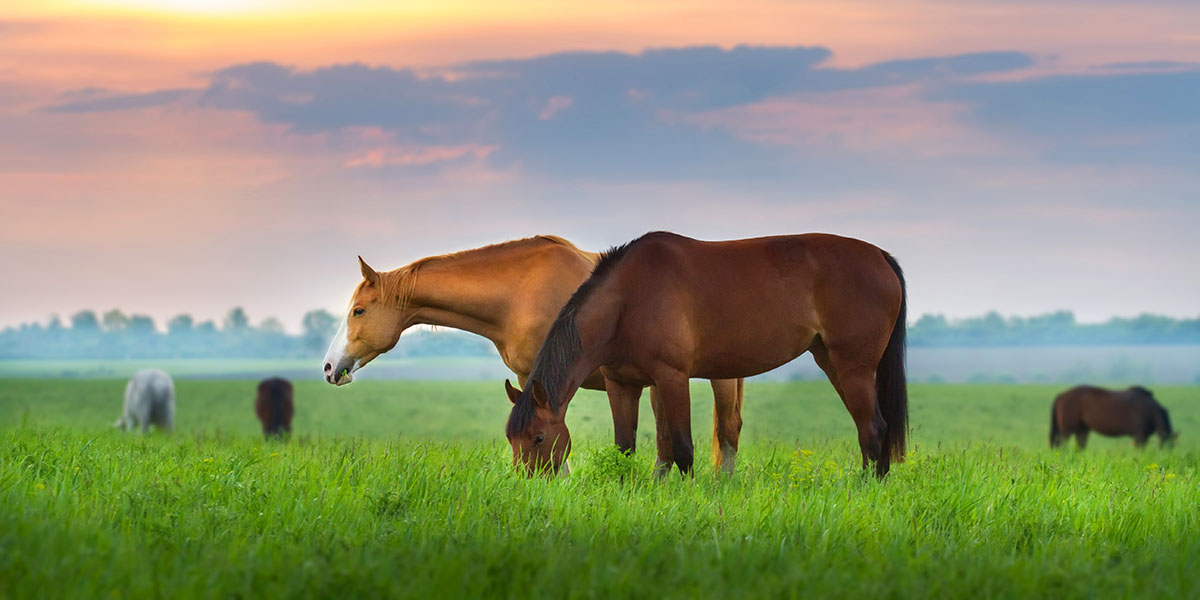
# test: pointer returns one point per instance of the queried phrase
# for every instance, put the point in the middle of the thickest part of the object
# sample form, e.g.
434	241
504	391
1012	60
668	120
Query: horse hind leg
856	386
1081	436
727	422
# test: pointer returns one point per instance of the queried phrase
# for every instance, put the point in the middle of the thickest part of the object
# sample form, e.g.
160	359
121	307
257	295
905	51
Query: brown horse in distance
508	293
664	308
274	406
1086	408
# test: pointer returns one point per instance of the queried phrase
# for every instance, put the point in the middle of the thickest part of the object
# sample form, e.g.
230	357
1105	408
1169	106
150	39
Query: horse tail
891	383
1054	423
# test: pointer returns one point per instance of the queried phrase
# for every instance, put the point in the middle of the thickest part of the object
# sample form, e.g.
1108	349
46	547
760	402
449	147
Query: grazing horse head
538	433
372	324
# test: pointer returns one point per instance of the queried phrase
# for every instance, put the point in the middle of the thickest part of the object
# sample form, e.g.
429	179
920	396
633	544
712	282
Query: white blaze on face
339	367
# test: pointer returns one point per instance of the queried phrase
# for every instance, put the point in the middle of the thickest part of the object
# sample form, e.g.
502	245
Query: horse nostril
328	367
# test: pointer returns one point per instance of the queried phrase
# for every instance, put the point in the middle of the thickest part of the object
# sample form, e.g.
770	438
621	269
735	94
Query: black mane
562	346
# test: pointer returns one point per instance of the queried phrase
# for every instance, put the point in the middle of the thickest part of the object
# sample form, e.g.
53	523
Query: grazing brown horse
664	308
1085	408
508	293
274	406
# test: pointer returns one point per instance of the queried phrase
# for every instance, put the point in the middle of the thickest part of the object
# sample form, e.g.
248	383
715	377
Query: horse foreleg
623	399
662	464
727	422
675	409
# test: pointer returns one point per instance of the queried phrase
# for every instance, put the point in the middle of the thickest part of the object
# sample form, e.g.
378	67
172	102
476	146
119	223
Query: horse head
372	326
538	434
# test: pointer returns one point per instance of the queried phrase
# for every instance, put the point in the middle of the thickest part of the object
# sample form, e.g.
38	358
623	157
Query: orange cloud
407	156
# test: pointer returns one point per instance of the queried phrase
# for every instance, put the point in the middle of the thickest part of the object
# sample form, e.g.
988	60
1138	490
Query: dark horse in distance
1087	408
665	308
274	406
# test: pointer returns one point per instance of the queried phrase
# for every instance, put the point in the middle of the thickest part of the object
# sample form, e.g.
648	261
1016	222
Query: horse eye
537	440
359	311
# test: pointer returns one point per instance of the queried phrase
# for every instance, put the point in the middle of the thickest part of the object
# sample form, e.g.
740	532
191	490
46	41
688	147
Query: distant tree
236	321
180	325
271	325
114	321
141	325
55	324
206	327
84	321
319	327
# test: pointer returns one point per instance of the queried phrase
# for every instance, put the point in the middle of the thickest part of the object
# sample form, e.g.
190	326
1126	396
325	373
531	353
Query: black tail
891	383
1053	425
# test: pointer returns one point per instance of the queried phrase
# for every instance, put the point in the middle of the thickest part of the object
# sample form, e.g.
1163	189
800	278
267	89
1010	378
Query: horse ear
367	272
513	393
540	397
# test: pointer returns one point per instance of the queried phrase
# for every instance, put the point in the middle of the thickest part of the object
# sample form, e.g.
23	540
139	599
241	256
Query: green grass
405	489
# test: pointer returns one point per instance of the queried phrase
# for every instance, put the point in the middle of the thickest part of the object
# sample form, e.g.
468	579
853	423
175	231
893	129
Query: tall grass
207	512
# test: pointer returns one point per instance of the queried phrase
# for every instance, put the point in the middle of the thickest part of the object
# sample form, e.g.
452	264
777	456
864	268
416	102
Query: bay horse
1086	408
149	400
665	307
508	293
274	406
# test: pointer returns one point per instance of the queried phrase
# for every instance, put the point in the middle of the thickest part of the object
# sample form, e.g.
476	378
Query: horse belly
1110	421
748	353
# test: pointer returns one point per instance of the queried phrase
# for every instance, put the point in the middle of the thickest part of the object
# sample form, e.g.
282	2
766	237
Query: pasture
405	489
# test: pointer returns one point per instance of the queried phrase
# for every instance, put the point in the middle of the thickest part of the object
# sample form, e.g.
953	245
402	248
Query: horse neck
466	292
594	324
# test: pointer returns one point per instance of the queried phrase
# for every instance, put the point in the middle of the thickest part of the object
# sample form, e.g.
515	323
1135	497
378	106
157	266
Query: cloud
98	102
1138	117
705	111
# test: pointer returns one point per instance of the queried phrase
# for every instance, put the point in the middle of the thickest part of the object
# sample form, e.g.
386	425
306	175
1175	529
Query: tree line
1052	329
113	334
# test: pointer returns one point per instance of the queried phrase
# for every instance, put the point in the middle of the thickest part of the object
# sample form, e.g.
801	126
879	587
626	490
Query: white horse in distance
149	400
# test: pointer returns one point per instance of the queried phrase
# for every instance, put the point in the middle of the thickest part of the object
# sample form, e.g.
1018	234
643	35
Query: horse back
754	304
1107	412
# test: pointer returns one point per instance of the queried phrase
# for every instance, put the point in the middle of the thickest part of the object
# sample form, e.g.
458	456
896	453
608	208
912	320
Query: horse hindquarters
873	387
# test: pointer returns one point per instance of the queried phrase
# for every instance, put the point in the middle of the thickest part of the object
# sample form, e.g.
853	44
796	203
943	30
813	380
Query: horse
1086	408
149	400
508	293
664	307
274	406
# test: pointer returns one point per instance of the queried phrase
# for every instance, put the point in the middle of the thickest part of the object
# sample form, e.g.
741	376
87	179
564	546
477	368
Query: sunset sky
168	156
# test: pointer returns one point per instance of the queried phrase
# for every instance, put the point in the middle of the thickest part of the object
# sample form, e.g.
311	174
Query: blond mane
398	285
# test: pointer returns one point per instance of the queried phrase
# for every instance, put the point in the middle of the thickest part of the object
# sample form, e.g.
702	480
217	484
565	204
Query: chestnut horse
1132	412
664	308
508	293
274	406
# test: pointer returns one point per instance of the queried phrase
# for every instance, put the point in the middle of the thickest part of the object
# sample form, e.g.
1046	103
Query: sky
172	156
